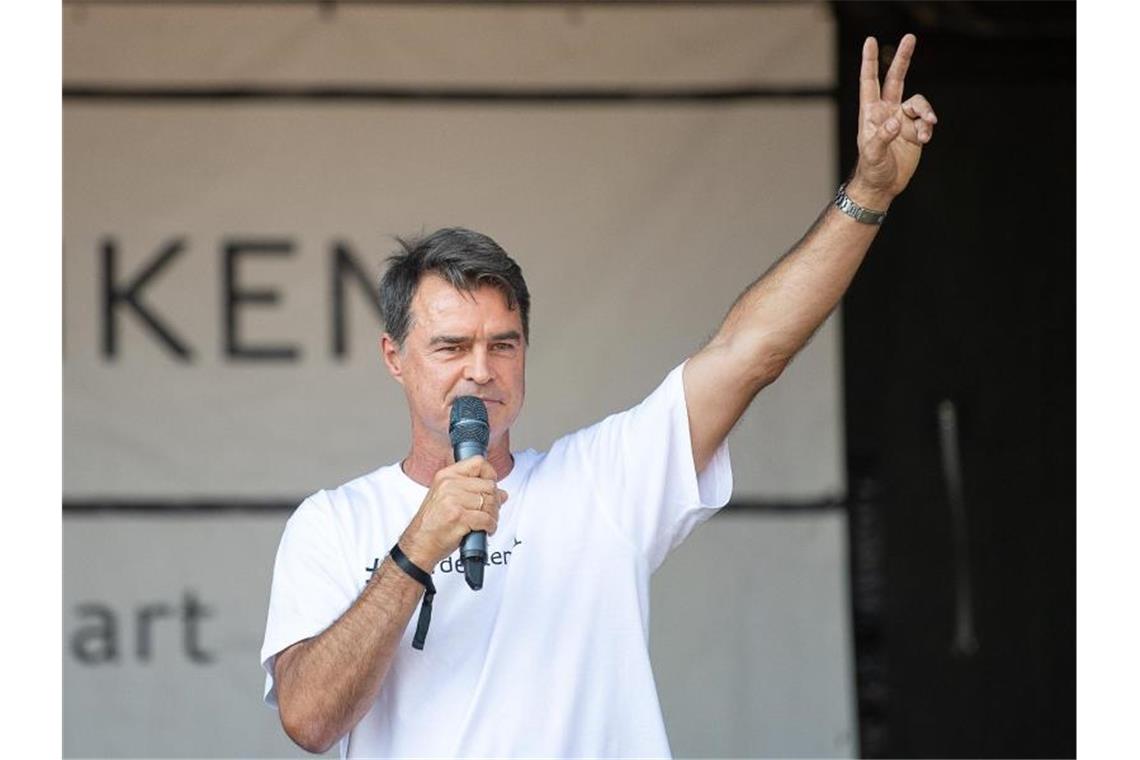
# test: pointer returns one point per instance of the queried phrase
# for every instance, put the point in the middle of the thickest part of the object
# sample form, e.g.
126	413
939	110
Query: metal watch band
855	211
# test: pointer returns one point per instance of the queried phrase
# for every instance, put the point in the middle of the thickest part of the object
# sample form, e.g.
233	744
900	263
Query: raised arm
777	315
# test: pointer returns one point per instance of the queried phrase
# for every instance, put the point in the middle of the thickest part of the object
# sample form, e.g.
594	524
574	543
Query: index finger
896	74
474	467
488	472
869	74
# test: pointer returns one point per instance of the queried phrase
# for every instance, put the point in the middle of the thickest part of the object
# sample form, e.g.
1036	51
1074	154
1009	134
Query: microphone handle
473	549
474	554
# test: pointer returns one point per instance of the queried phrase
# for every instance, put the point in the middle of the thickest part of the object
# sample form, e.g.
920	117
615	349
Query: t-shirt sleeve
311	583
645	479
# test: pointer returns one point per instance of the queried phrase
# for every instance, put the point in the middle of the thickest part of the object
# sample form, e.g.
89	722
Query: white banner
220	337
451	44
220	341
164	615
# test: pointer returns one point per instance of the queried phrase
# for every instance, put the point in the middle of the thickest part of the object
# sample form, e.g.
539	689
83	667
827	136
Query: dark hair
466	259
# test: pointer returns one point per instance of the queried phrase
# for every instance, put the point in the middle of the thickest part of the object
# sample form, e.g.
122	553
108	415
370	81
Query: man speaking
374	637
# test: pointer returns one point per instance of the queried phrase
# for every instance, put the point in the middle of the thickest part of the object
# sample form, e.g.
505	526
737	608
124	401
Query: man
550	658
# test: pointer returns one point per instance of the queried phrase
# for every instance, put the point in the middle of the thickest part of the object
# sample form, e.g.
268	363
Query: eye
449	349
503	346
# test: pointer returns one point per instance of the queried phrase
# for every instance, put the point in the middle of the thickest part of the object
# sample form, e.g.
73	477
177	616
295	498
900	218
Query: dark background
968	296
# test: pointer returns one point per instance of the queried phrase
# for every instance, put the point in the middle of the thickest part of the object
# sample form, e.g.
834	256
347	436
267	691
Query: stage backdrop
233	179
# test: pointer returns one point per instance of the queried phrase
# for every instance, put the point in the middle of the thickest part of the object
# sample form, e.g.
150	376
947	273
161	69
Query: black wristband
424	580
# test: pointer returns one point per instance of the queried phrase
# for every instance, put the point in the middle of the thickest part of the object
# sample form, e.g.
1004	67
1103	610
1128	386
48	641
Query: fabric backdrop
234	175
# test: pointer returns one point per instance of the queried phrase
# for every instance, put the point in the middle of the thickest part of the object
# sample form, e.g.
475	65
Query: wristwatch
855	211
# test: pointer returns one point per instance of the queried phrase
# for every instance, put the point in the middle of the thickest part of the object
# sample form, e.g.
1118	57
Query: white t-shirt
551	657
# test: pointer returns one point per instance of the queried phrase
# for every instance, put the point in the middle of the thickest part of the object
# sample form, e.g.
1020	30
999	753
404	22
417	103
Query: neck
429	457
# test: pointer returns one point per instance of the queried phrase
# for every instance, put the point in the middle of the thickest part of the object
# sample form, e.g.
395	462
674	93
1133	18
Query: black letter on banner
345	264
235	296
146	615
94	644
113	295
192	612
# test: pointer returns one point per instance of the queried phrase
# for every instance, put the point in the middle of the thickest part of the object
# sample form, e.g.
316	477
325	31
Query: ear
390	352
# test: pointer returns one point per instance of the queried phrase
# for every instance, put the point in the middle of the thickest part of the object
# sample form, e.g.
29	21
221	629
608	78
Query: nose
478	369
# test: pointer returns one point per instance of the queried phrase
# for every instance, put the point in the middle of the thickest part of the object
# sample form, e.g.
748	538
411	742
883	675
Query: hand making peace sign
891	131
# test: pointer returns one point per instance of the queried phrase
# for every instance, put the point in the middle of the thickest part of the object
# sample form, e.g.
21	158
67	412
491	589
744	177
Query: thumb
876	147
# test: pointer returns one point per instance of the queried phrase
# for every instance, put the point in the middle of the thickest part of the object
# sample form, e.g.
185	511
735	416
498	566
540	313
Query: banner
234	177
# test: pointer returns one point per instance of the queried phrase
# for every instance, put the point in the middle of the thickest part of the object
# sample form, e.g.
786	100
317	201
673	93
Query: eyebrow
458	340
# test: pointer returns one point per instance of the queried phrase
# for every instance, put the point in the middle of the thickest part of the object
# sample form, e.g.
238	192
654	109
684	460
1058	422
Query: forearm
777	315
329	682
326	684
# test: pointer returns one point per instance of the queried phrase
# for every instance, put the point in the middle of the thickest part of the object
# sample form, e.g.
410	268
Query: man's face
460	344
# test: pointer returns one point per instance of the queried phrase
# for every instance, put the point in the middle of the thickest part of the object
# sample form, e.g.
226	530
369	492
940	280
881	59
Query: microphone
469	433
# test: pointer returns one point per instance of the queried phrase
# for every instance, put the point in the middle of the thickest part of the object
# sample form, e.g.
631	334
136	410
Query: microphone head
469	422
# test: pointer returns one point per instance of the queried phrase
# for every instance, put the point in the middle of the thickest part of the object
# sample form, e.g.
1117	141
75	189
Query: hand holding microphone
462	503
470	433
